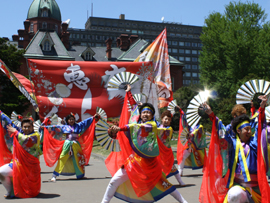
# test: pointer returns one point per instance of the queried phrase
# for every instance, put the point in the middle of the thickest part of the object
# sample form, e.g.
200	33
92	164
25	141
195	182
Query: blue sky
190	12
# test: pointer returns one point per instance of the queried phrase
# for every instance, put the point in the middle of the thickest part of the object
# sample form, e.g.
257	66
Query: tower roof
38	6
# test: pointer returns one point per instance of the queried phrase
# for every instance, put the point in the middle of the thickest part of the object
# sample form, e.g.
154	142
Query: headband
242	125
147	108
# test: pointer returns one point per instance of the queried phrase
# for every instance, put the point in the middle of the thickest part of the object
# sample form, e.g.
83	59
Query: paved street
92	188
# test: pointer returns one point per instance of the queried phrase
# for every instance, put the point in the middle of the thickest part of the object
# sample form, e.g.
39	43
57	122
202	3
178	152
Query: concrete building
183	40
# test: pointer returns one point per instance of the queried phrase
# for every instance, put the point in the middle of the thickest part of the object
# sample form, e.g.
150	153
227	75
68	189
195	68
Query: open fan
137	98
102	113
193	116
120	80
104	139
171	106
16	119
184	136
247	91
267	114
37	125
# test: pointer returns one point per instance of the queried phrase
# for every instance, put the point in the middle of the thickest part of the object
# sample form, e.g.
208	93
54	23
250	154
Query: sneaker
53	179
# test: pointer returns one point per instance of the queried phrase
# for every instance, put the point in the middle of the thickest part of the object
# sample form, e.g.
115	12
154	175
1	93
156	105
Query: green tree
235	49
11	99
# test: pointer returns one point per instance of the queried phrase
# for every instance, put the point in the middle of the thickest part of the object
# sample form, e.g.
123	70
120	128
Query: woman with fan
20	177
73	152
140	179
240	181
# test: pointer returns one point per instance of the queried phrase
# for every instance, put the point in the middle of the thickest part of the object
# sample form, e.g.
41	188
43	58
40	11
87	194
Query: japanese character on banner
74	75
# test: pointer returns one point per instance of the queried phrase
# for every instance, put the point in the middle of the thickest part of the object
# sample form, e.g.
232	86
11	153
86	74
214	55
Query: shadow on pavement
192	175
75	179
186	185
46	172
47	196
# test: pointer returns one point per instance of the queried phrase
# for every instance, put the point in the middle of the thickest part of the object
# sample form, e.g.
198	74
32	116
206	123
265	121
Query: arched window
44	25
32	27
47	46
44	13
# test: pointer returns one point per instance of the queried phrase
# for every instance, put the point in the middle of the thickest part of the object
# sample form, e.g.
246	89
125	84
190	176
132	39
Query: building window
187	74
56	28
44	13
88	56
194	67
194	44
181	44
174	50
44	25
194	59
187	51
134	31
174	43
194	52
181	51
187	66
187	58
134	24
181	58
32	27
172	34
78	36
178	35
169	42
190	36
194	75
47	46
169	50
187	44
83	43
200	45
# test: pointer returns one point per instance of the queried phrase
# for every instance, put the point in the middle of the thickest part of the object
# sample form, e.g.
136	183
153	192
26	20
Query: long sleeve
8	121
130	98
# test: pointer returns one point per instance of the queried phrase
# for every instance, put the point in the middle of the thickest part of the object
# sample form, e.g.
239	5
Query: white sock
178	196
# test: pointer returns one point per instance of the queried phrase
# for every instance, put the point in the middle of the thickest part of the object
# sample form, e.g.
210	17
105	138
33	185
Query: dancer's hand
11	129
96	117
128	87
205	107
113	130
264	100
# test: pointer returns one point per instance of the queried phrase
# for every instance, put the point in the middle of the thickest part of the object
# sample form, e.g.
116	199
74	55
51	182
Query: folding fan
267	114
184	136
137	98
193	116
171	106
247	91
103	137
16	119
120	80
102	113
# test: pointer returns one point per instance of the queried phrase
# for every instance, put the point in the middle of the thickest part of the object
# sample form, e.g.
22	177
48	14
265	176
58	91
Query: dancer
140	179
193	153
240	183
20	177
165	137
74	152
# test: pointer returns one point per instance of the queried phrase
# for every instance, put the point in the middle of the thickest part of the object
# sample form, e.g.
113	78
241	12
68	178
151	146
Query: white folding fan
103	137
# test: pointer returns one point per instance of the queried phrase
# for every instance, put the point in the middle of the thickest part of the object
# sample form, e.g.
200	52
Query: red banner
79	87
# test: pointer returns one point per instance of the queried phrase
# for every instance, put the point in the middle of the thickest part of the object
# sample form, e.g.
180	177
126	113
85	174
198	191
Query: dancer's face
27	128
146	116
244	134
71	121
166	121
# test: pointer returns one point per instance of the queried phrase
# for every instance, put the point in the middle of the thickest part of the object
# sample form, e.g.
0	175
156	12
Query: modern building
183	40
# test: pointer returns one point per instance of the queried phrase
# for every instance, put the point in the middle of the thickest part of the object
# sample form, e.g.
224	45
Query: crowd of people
231	173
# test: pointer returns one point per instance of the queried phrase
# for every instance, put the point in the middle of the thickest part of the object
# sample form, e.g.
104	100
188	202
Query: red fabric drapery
26	172
165	157
5	154
213	188
86	140
52	148
180	147
263	183
116	159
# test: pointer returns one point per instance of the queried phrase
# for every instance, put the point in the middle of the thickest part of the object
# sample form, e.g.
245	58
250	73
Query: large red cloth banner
79	87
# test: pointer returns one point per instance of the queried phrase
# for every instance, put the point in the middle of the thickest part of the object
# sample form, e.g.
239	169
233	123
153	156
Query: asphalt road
92	187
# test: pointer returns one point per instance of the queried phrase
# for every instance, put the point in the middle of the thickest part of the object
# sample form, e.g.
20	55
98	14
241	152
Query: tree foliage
11	99
235	50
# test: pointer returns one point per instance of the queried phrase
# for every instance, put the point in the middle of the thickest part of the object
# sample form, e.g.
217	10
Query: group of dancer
140	170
